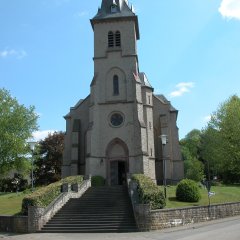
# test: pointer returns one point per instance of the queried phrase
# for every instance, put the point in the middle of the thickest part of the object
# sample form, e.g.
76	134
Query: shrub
18	183
45	195
97	181
149	192
188	191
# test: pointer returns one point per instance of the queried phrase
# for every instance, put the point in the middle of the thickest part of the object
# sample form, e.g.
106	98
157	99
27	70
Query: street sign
211	194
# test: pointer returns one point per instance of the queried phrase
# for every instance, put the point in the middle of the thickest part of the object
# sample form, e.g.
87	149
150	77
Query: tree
17	124
211	152
190	147
49	159
225	126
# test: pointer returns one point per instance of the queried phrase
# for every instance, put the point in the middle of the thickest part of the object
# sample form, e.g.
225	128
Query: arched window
110	39
118	39
115	85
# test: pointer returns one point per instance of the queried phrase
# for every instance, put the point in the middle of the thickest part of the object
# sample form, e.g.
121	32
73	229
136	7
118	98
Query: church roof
165	101
144	80
115	9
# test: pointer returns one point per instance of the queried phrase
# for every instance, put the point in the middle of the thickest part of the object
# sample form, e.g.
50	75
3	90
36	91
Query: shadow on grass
3	193
174	199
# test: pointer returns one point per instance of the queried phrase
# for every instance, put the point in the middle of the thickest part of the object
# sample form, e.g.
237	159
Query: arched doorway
117	162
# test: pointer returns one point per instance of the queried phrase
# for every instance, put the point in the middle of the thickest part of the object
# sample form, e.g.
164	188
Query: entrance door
118	173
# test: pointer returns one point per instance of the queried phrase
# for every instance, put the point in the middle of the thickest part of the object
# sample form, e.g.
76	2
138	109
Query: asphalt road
226	229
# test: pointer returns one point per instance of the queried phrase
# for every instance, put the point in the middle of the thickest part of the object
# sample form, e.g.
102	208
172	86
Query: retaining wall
17	224
37	217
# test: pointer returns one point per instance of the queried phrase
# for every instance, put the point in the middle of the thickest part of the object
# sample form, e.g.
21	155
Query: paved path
226	229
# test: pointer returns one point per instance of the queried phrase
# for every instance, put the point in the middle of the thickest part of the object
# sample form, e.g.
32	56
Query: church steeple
111	10
109	7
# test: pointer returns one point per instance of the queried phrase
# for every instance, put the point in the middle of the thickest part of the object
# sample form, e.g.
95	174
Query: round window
116	119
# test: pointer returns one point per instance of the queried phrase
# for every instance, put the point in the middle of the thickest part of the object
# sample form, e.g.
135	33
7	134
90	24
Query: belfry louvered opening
114	39
110	39
118	39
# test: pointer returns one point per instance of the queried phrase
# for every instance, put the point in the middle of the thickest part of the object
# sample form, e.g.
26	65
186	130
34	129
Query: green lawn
224	194
11	203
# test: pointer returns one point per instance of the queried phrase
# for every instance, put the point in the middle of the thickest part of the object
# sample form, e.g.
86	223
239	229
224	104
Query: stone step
105	230
103	209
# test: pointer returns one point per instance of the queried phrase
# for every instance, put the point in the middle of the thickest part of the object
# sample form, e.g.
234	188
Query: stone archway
117	162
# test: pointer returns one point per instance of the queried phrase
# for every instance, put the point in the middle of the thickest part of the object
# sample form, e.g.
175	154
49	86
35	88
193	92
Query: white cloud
230	9
40	135
19	54
182	88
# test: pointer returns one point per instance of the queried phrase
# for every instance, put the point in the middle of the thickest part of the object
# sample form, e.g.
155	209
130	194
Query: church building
116	130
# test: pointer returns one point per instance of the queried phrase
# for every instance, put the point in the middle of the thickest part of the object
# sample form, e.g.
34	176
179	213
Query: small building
116	129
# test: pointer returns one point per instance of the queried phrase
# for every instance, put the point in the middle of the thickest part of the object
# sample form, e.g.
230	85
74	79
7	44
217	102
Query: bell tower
117	138
115	51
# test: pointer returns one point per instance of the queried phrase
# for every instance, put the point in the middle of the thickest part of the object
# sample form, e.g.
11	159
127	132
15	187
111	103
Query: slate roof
144	80
165	101
123	10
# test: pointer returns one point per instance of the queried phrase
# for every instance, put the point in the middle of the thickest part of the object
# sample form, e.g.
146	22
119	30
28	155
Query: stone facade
116	129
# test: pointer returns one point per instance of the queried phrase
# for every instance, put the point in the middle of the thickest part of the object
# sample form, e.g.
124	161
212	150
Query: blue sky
189	49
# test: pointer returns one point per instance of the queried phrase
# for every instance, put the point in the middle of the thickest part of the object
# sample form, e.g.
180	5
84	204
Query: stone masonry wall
17	224
38	217
158	219
147	219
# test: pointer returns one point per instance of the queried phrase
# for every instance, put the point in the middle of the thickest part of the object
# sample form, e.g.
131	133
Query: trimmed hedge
45	195
97	181
188	191
149	192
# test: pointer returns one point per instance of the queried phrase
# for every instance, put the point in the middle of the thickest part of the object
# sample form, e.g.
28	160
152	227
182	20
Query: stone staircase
100	209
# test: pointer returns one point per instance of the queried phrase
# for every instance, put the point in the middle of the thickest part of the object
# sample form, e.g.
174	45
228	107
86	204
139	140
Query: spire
115	9
111	7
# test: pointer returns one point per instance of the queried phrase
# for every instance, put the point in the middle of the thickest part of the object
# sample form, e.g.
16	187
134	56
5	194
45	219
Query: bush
45	195
188	191
97	181
18	183
149	192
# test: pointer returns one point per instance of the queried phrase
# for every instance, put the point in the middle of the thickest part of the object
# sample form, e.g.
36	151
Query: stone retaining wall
148	219
18	224
158	219
37	217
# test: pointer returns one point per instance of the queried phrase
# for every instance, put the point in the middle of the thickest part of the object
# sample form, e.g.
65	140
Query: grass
11	203
223	194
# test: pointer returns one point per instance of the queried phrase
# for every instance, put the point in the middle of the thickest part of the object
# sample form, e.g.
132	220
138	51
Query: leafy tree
225	126
192	142
190	147
17	124
211	152
49	160
194	169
